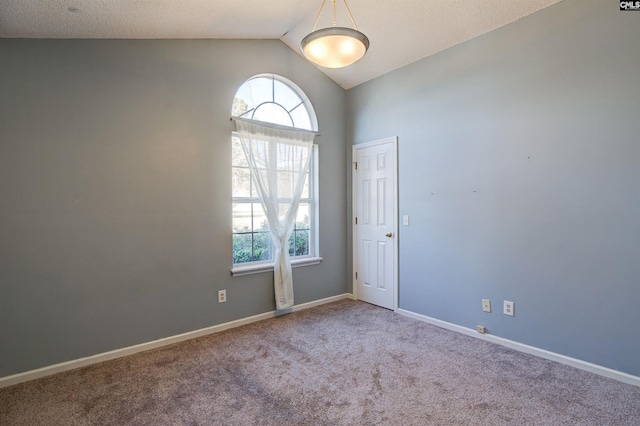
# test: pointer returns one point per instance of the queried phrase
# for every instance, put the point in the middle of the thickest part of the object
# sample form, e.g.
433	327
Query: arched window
273	99
276	100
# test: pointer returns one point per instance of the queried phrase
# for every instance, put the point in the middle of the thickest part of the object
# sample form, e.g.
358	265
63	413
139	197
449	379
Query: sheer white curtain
278	158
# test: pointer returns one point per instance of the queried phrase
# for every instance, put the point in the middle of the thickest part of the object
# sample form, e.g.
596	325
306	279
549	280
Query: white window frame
313	257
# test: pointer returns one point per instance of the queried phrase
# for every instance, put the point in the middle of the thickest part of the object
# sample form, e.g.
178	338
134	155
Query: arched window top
274	99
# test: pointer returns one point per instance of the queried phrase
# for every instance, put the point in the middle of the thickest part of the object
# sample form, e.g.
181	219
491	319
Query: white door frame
354	198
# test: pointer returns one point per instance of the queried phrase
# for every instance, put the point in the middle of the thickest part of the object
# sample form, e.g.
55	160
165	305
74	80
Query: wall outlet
486	305
222	296
481	329
509	308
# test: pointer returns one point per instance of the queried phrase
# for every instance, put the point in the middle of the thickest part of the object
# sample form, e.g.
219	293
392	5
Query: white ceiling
400	31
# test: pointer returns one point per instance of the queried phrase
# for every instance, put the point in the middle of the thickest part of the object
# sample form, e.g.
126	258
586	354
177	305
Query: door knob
389	234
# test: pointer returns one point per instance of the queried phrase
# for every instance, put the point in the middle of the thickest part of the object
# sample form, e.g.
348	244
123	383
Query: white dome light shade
334	47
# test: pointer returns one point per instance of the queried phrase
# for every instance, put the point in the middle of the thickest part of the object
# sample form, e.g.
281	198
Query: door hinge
356	220
356	276
356	164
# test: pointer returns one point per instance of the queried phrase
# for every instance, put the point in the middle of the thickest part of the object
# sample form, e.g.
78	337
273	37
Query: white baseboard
532	350
118	353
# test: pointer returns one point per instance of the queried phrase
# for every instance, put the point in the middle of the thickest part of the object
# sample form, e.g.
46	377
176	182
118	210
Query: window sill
238	271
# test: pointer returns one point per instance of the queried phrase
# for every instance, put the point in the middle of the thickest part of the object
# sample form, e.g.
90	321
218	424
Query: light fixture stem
334	12
318	17
350	15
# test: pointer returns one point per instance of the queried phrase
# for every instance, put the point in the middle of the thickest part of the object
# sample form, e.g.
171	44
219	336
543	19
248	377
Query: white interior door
375	222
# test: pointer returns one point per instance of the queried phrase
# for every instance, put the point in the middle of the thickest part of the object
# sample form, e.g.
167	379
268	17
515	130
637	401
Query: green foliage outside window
256	246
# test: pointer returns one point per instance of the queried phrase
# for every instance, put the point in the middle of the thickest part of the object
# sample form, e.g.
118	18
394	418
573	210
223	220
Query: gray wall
519	159
115	225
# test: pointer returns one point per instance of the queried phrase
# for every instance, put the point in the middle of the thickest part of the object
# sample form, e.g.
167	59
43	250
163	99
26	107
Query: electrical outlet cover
486	305
509	308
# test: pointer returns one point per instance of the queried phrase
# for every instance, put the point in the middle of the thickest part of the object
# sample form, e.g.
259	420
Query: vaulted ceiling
400	31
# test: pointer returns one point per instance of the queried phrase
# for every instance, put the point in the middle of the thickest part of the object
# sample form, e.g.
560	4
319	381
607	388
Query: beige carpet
345	363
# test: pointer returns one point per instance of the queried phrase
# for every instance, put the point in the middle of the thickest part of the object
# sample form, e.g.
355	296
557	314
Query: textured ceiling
400	31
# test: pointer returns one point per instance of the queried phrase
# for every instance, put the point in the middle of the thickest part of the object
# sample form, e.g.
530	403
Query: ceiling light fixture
334	47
